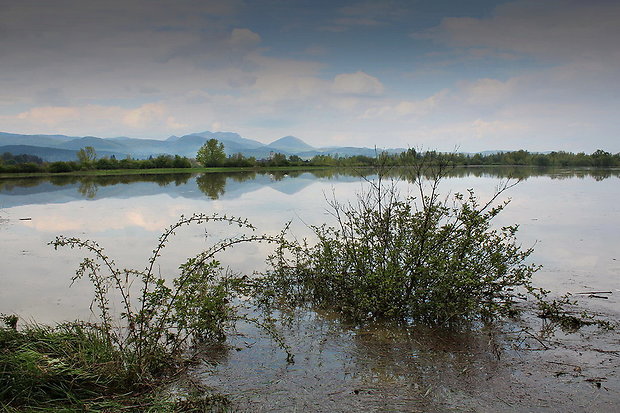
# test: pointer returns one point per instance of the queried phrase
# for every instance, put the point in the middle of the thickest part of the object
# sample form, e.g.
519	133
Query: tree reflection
212	184
88	188
242	176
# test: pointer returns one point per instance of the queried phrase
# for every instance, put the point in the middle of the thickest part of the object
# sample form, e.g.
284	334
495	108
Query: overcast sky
473	75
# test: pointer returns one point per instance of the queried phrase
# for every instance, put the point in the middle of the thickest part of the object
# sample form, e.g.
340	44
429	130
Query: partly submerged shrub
161	317
426	258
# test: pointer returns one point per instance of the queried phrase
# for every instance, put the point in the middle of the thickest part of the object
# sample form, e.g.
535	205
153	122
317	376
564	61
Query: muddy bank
518	366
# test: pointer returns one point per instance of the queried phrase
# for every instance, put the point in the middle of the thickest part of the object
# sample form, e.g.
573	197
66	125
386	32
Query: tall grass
162	320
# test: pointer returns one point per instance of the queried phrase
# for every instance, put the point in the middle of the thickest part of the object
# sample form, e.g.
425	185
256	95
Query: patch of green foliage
426	259
564	312
211	153
129	355
71	362
170	313
73	367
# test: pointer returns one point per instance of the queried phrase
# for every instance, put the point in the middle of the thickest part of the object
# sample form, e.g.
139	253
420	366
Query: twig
537	339
564	364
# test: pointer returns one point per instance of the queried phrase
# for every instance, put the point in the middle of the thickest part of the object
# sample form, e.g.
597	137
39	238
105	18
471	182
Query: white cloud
172	123
488	91
406	108
495	129
102	120
50	115
244	38
358	83
144	116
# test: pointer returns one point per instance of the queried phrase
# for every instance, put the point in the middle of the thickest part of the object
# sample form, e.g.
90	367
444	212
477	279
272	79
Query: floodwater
571	217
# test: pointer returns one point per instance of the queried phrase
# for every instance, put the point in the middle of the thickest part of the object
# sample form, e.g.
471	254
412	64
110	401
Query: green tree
211	153
278	159
86	156
602	159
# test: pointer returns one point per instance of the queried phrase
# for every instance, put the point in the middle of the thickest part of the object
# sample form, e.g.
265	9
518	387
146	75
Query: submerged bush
161	317
425	259
149	326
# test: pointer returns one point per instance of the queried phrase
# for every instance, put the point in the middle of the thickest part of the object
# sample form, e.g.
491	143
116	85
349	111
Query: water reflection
212	185
216	185
383	367
571	215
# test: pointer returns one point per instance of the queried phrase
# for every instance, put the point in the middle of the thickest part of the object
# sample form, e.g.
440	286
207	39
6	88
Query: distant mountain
32	140
99	144
62	147
51	154
290	144
230	137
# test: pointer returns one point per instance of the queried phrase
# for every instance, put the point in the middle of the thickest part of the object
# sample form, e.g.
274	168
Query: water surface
571	217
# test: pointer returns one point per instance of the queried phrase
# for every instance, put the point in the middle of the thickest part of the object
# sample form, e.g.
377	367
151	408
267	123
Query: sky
445	75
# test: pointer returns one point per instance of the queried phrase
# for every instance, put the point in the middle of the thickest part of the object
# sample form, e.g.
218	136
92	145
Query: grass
72	367
130	359
157	171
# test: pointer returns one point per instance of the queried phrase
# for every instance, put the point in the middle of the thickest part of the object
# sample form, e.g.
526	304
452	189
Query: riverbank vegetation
424	258
214	157
151	328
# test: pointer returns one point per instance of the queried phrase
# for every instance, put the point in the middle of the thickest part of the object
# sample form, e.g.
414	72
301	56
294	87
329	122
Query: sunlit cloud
244	38
358	83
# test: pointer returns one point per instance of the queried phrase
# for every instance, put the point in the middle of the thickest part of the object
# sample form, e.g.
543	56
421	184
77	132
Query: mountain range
63	148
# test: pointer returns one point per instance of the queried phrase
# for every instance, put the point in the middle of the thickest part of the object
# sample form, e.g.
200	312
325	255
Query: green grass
72	367
156	171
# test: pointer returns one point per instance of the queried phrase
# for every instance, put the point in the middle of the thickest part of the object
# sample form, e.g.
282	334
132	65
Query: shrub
60	166
154	331
425	259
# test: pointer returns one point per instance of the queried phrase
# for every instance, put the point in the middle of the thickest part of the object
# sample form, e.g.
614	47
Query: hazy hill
61	147
290	144
32	140
230	137
99	144
51	154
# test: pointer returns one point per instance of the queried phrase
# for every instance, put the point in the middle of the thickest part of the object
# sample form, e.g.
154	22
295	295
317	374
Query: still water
572	218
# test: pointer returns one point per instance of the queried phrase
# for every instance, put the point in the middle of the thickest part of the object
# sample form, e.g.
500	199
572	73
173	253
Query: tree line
212	154
87	160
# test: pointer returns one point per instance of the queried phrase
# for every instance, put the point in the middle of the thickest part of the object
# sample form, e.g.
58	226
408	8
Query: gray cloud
551	30
157	67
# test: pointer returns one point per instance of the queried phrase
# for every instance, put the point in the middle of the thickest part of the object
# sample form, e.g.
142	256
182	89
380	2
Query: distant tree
238	160
87	155
602	159
181	162
211	153
278	159
60	166
295	159
10	159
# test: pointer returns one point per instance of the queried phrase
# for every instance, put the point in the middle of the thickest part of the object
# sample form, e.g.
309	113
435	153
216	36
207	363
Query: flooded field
572	218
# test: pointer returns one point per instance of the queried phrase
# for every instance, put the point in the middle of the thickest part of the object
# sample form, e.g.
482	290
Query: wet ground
519	366
571	218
